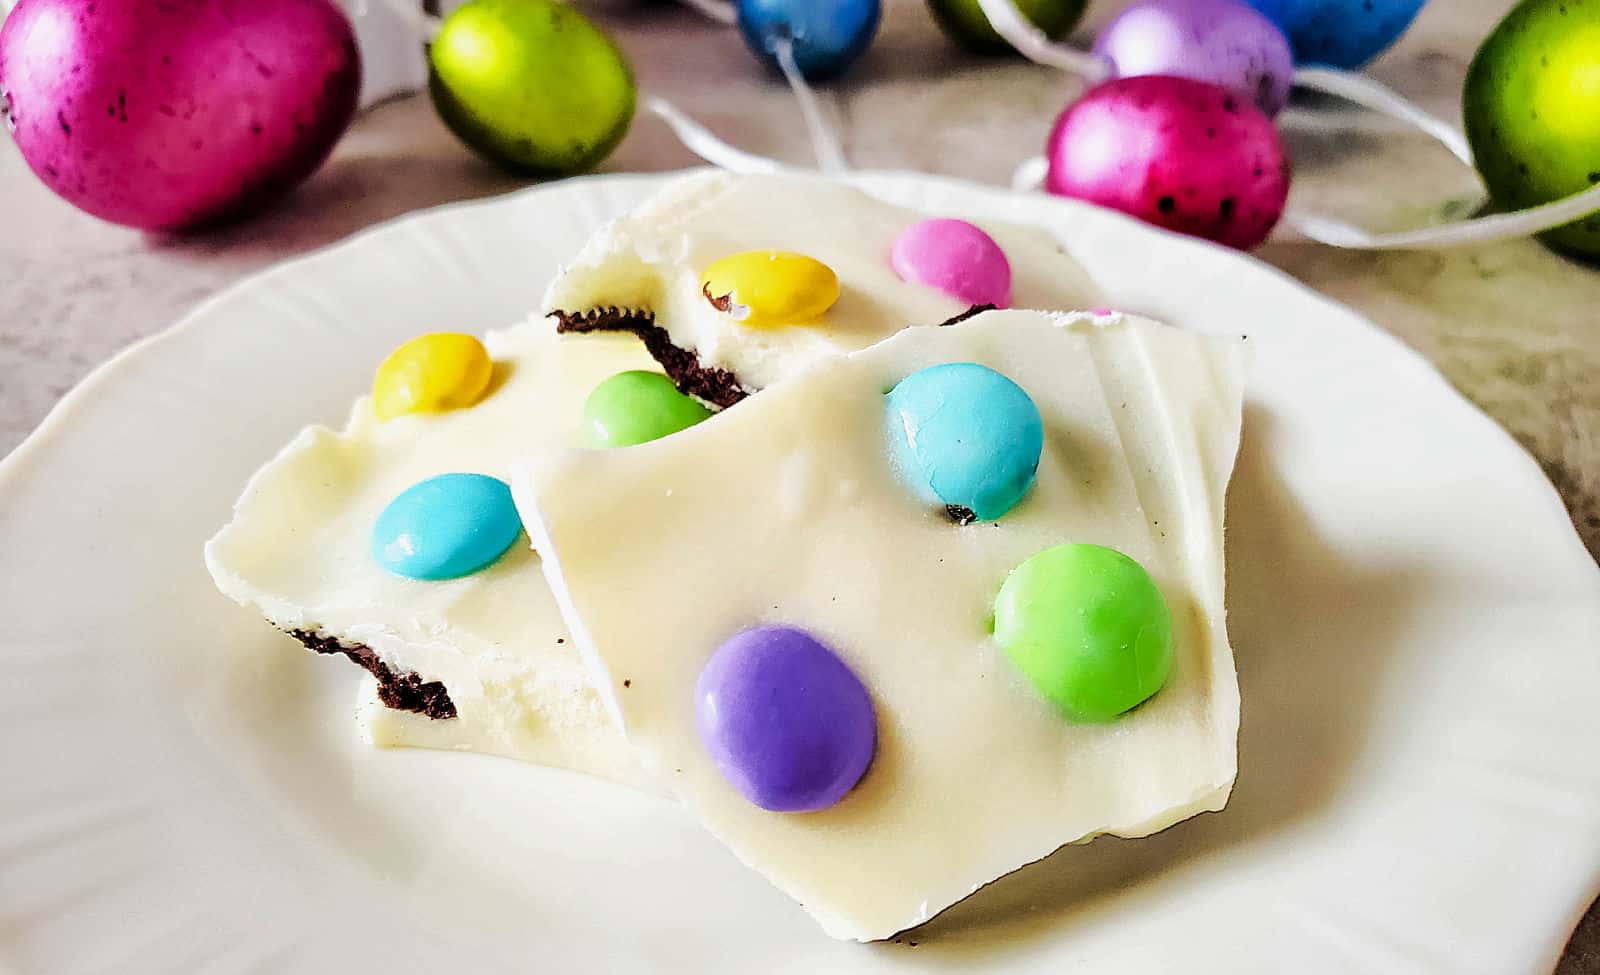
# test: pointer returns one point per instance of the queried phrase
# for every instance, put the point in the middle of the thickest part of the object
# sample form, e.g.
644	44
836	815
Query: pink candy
1180	154
956	258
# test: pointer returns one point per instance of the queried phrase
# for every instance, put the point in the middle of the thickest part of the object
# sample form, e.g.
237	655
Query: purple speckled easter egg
1225	42
955	257
786	721
167	116
1180	154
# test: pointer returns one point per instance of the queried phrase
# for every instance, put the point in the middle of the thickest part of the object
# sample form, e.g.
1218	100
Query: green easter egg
963	21
1532	108
637	407
531	85
1088	626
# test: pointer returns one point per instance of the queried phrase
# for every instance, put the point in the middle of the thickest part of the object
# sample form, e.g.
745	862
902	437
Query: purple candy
788	724
955	257
1178	153
1223	42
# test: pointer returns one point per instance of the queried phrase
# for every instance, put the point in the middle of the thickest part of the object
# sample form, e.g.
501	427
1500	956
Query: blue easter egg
1340	33
965	436
828	35
445	527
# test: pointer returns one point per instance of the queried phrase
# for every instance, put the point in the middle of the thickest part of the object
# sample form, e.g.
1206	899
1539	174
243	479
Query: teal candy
446	527
965	436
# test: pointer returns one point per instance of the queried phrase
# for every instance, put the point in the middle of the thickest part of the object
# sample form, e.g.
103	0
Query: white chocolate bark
297	550
785	509
652	259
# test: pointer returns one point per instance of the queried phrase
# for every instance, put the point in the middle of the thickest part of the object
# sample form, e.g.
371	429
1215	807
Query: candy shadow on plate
1307	679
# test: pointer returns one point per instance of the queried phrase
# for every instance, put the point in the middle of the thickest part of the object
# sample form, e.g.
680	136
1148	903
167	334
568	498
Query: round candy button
1088	626
770	287
965	436
787	722
636	407
447	526
955	257
430	374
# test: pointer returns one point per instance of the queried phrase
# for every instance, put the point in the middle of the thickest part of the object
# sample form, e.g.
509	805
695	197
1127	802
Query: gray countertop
1514	327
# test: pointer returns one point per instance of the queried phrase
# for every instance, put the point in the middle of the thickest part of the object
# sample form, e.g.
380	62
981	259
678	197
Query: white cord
1499	226
720	11
410	13
1379	97
1029	174
700	141
1031	42
824	142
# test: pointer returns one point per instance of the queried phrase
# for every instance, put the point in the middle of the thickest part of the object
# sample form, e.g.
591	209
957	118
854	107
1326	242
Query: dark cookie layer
969	313
716	386
403	692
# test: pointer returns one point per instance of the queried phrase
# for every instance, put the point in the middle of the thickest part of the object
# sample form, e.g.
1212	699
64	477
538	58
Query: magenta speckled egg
168	116
1180	154
954	257
1224	42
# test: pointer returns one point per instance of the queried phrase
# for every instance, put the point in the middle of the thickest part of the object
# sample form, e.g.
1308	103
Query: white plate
1415	619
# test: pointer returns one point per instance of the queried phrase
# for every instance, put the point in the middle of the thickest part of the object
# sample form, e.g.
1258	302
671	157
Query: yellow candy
771	287
430	374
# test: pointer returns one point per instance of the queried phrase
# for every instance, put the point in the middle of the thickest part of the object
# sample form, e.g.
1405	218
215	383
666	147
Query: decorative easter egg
1089	627
531	85
1175	152
431	374
787	722
1340	33
770	287
964	436
827	35
1224	42
637	407
963	21
446	527
955	257
1532	108
170	116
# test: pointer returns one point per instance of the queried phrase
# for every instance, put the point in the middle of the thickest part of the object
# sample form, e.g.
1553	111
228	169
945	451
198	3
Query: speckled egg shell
167	116
1181	154
1340	33
1532	112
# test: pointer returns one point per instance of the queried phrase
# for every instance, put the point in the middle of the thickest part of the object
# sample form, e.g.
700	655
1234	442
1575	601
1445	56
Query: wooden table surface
1514	327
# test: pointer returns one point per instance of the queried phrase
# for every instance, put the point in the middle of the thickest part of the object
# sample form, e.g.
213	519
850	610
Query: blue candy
1339	33
445	527
828	35
965	436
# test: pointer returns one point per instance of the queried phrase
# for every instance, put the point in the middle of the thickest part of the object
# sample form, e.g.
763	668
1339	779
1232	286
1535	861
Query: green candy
637	407
1088	626
963	21
531	85
1532	108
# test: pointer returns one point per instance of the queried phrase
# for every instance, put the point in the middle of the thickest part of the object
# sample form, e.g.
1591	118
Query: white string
1032	43
1499	226
1381	98
1029	174
700	141
720	11
824	142
426	25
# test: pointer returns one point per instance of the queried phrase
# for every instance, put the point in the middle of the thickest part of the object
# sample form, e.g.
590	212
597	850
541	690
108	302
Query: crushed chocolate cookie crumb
627	683
402	692
960	515
969	313
722	304
716	386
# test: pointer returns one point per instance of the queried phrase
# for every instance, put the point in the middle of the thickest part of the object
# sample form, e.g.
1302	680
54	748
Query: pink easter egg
1177	153
954	257
171	115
